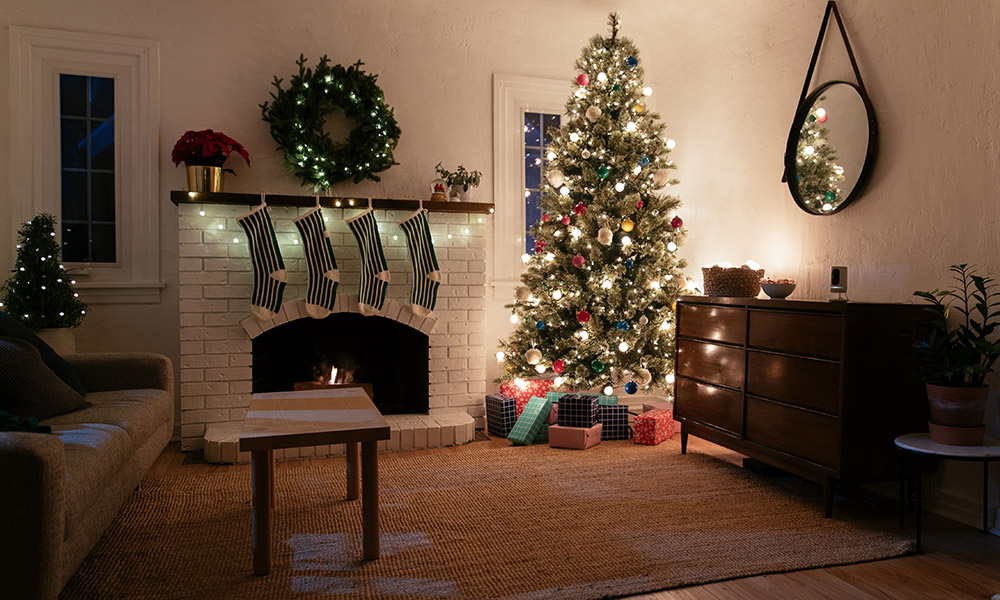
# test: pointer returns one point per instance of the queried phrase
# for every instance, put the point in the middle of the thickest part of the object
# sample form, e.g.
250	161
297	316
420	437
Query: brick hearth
216	327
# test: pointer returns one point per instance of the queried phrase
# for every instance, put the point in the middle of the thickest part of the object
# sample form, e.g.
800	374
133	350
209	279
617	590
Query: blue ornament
631	61
644	161
629	263
622	326
631	387
540	325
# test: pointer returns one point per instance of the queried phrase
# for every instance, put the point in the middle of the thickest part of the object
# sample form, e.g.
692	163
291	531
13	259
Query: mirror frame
792	144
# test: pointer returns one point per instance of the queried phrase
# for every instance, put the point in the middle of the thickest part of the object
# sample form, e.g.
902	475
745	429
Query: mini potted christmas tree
39	293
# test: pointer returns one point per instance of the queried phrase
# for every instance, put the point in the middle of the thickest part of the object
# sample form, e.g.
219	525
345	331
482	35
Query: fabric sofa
62	491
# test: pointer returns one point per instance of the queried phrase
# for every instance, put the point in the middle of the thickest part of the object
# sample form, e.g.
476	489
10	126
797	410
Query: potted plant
205	152
461	181
955	355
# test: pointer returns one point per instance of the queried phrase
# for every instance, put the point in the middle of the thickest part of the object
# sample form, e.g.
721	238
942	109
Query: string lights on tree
817	173
595	310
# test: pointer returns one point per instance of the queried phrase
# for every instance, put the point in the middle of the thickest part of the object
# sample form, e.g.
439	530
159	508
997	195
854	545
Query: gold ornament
604	236
628	225
522	293
639	108
533	356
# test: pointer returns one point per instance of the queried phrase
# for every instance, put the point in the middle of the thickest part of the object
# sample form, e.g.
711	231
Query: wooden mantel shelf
179	197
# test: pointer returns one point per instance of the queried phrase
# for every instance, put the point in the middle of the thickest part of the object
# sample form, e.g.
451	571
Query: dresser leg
684	441
828	488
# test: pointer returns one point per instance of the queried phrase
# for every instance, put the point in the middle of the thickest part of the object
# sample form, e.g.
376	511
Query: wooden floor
958	561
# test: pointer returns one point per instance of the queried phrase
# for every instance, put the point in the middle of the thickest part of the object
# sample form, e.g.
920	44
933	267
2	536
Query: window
85	116
538	128
525	108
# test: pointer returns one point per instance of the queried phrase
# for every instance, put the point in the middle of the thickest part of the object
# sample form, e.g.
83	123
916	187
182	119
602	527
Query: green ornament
596	366
616	87
603	171
829	196
812	118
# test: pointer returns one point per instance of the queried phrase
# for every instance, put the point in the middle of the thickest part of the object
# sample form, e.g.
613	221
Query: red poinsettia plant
206	148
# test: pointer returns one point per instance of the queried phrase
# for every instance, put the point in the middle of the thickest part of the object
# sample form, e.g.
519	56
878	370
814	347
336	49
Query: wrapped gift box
614	418
553	415
601	398
501	414
532	387
654	426
519	404
528	428
577	438
578	410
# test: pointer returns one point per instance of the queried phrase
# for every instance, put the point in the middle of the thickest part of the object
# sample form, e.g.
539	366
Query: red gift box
653	426
521	395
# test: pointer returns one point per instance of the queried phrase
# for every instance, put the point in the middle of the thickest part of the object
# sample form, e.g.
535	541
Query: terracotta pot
957	406
61	339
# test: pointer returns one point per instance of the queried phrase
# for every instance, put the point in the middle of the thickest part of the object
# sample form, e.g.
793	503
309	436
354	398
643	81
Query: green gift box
530	426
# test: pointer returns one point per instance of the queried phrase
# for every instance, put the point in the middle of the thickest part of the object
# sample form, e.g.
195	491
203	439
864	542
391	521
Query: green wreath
297	116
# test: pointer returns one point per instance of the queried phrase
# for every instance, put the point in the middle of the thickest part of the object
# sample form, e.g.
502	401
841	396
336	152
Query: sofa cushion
138	412
31	389
11	327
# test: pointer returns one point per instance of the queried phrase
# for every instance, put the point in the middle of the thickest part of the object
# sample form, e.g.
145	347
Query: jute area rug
489	522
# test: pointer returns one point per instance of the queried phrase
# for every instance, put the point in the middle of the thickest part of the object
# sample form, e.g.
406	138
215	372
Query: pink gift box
553	415
577	438
653	426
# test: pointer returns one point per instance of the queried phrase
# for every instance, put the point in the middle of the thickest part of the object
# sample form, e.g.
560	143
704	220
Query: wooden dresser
819	389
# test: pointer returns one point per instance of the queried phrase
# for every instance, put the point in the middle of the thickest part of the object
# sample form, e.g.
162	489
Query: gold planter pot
204	179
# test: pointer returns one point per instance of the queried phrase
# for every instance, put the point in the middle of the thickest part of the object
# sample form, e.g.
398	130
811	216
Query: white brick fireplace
217	330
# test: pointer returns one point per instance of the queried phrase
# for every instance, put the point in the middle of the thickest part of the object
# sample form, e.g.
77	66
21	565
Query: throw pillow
9	422
11	327
31	389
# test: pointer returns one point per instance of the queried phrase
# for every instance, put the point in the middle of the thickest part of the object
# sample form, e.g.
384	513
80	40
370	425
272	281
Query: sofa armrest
32	514
107	371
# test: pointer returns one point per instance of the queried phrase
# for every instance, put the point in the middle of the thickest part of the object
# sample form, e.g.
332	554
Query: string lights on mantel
179	197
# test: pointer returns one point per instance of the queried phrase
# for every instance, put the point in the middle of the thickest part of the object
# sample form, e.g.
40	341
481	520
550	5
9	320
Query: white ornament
585	154
593	113
661	177
623	347
620	187
522	293
643	320
555	178
604	236
533	356
645	377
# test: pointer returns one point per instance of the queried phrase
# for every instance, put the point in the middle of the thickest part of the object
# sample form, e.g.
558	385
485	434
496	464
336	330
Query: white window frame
37	58
514	95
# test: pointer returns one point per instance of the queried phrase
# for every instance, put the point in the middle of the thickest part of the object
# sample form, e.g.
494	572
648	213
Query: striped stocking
374	269
269	275
323	274
426	275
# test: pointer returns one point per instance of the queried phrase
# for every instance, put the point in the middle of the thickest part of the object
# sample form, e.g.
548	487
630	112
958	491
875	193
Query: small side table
921	445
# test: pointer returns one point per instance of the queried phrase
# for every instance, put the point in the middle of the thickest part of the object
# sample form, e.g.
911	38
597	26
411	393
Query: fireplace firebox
346	348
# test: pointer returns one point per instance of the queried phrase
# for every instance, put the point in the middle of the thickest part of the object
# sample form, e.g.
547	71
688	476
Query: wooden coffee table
313	418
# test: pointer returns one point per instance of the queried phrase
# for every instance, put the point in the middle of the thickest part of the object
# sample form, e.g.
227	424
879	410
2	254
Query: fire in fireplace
385	357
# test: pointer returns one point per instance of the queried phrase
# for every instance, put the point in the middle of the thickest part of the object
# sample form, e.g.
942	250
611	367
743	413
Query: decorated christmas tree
816	168
38	293
596	307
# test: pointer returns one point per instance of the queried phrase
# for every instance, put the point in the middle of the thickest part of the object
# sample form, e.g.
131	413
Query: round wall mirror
831	148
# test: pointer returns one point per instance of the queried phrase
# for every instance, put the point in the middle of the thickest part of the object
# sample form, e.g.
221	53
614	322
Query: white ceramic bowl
777	290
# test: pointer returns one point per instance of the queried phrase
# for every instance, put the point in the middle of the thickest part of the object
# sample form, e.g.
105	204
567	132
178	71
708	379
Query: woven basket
736	282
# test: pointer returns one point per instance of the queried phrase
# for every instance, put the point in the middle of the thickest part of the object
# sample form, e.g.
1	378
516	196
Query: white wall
726	76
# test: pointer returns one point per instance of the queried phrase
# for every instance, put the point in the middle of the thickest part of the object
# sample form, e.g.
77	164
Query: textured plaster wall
726	74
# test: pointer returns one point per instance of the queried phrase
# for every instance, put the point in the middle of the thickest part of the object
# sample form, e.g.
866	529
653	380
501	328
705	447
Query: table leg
920	495
353	470
986	496
261	471
684	440
270	479
902	491
369	500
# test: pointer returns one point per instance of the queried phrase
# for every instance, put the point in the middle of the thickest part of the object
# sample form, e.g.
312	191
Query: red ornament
565	220
583	316
545	218
558	366
677	222
539	245
579	261
580	209
583	79
639	204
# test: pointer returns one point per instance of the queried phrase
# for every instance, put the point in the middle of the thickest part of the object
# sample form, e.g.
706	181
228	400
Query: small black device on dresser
818	389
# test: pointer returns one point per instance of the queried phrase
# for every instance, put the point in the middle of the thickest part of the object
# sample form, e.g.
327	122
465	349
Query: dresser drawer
797	432
809	334
708	404
712	363
794	380
718	323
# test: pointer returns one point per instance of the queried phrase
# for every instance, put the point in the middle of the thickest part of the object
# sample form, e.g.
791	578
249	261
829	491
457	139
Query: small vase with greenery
460	180
956	349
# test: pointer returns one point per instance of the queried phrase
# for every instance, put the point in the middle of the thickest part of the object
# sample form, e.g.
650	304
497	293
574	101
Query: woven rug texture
476	522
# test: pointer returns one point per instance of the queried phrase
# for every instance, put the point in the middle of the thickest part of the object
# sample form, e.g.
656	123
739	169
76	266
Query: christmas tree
596	307
39	293
816	169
